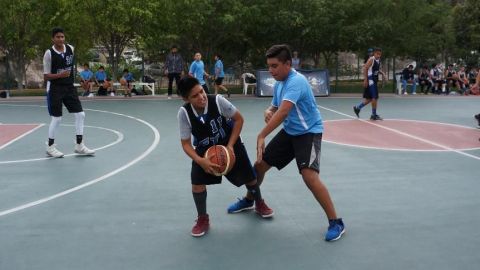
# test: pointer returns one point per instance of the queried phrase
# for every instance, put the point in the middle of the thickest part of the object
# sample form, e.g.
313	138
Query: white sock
79	120
52	129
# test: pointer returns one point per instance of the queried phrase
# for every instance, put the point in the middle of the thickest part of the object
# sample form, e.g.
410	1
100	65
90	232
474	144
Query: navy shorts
63	94
241	173
219	81
371	92
305	149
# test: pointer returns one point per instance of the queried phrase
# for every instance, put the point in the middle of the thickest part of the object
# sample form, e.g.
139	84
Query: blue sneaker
335	230
240	205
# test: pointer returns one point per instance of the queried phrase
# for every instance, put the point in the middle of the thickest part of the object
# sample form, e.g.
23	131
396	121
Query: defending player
213	120
58	72
370	81
300	138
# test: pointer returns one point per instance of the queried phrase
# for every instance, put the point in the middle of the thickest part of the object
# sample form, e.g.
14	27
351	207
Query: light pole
7	79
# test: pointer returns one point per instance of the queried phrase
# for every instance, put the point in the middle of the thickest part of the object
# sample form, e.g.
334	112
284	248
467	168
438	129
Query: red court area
11	132
401	135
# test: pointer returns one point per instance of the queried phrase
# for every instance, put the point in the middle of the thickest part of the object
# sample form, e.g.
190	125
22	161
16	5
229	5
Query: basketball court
407	189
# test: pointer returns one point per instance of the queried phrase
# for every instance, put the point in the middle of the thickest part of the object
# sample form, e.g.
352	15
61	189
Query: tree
23	22
117	24
466	26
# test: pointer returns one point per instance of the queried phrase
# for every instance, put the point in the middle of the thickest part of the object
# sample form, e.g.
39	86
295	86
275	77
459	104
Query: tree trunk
18	70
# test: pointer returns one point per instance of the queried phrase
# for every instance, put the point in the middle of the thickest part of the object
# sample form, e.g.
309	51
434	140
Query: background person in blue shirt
219	75
300	138
86	80
197	70
104	84
126	81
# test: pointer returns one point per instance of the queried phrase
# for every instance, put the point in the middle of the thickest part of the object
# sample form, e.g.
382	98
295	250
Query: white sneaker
53	152
112	94
83	150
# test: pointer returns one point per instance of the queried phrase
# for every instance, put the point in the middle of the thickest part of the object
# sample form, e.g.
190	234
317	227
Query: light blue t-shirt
100	75
128	77
219	69
86	74
304	117
197	68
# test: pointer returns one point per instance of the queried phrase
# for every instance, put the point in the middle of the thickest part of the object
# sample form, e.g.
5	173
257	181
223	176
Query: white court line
118	140
96	180
23	135
404	134
402	149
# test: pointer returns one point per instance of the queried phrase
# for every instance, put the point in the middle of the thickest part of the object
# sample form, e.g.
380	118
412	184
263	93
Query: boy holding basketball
213	120
300	138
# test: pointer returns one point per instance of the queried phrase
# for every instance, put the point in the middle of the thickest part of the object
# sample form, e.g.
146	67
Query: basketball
220	155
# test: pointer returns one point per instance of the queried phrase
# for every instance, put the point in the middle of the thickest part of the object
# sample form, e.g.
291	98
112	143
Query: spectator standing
296	61
58	72
197	70
86	81
173	68
219	75
408	77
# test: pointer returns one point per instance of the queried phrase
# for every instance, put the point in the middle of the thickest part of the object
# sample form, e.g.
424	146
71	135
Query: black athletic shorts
371	92
63	94
283	148
241	173
219	81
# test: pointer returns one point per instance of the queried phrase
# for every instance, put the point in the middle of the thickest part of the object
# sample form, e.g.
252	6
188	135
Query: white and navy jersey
55	62
210	128
374	69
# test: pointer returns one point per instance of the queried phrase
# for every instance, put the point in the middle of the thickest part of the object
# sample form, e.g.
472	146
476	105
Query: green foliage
242	30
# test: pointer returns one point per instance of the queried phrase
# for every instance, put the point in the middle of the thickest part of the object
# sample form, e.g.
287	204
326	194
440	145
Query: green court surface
130	206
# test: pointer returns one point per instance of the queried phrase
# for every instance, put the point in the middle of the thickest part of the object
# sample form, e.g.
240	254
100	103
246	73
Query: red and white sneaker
201	226
263	210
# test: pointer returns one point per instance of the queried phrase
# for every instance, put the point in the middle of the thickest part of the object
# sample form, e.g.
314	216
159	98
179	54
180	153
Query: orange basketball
220	155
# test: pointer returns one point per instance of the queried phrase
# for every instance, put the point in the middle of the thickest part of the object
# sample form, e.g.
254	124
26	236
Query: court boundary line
403	133
23	135
98	179
118	140
401	149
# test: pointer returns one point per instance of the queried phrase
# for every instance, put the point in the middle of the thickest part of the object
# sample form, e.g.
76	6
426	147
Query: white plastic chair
246	84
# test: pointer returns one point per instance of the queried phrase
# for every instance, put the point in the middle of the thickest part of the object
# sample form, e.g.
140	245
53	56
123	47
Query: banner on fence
318	79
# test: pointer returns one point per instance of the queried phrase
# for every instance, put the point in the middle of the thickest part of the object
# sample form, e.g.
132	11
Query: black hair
186	84
57	30
174	47
125	70
219	56
282	52
86	64
377	49
101	67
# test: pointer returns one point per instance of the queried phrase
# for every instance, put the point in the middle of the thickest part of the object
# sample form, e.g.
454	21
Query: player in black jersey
58	64
213	120
371	70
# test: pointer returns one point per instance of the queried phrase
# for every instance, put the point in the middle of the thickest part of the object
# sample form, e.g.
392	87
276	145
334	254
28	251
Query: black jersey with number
60	63
208	129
